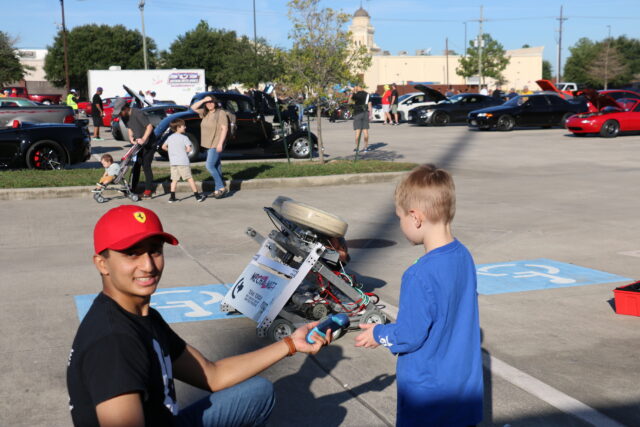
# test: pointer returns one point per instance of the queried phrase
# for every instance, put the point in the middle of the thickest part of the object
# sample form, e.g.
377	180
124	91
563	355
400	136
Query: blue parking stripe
176	305
541	273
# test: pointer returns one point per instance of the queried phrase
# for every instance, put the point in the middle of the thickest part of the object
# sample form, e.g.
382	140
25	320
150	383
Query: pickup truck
25	110
22	92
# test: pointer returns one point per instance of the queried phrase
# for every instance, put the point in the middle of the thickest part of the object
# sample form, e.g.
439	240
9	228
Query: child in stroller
116	182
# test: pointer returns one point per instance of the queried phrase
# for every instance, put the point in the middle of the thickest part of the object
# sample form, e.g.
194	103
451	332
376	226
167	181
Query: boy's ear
416	217
100	262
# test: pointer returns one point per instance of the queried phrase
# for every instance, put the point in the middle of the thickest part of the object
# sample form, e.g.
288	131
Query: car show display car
614	116
409	101
252	133
451	110
544	109
22	109
43	146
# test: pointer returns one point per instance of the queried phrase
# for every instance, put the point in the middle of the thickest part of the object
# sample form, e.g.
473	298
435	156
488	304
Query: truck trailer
174	85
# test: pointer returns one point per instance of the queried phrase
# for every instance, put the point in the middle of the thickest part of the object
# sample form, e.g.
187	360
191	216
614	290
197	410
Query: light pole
64	43
606	60
144	37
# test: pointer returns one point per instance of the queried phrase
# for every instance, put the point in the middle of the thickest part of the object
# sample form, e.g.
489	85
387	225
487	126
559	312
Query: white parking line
535	387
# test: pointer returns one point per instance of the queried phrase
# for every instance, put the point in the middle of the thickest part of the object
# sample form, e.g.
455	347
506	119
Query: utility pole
144	37
606	60
480	42
465	38
64	43
446	52
559	70
255	41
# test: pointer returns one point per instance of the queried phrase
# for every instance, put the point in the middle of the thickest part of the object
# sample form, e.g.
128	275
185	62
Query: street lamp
144	37
64	43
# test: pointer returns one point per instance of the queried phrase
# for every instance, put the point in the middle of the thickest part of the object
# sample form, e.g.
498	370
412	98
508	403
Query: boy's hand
365	338
299	337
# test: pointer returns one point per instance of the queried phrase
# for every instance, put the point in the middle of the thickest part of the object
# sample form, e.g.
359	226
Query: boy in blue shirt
437	333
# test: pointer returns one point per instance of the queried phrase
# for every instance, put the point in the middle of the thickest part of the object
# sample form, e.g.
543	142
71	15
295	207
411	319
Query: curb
234	185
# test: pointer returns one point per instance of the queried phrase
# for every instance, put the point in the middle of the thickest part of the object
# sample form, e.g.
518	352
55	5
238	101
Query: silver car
25	110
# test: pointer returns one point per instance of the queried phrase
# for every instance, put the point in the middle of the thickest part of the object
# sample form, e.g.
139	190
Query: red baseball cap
124	226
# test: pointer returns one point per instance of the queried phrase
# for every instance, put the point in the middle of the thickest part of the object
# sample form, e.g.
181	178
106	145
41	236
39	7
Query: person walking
140	132
178	146
361	113
214	127
97	112
386	105
394	103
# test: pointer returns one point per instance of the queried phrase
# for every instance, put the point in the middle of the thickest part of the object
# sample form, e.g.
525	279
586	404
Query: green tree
322	54
494	59
575	68
11	69
225	57
96	47
547	70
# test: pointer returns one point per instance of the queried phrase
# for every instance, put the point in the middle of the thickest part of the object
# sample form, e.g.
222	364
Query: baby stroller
120	182
298	274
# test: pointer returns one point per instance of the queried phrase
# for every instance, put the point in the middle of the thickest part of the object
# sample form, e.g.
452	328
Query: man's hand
365	338
299	337
139	141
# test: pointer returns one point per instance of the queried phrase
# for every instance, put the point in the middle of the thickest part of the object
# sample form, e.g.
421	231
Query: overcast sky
399	24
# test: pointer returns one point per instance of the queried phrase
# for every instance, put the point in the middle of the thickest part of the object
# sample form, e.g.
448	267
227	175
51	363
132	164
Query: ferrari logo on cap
140	217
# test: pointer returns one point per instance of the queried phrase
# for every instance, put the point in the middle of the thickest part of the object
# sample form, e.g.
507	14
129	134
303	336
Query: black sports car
545	109
43	145
450	110
252	134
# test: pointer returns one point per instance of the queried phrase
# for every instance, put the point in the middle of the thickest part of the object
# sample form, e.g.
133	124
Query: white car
409	101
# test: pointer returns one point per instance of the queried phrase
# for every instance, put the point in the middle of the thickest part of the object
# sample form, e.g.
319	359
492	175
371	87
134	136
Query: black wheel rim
47	158
442	119
611	128
504	123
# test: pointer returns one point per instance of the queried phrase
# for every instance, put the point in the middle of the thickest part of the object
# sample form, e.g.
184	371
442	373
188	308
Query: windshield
403	97
453	99
518	100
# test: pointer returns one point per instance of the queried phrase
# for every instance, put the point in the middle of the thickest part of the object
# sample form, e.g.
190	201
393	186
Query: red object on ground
628	299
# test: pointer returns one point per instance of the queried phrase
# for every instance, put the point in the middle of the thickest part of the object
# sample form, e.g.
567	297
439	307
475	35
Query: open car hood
600	100
435	95
140	102
547	85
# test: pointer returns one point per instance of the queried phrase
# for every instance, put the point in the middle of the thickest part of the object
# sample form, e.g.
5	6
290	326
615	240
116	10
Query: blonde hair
430	190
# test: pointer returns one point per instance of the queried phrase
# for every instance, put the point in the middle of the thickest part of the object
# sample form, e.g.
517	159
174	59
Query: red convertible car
614	117
107	106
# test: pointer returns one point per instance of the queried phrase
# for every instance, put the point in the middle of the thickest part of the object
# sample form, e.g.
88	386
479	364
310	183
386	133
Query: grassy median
242	171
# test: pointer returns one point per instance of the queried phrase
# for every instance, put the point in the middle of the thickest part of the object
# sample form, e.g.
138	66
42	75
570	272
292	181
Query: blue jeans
214	166
246	404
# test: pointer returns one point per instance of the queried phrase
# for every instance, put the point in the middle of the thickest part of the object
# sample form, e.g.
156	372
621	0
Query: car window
419	98
537	101
473	100
244	106
620	94
554	100
231	105
8	104
637	109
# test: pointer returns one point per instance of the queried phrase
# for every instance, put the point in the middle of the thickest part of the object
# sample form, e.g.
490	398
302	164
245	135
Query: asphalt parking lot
554	356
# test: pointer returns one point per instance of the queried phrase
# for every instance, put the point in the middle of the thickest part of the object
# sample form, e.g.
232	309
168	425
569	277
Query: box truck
169	85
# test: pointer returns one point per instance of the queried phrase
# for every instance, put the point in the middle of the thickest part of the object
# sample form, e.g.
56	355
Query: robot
298	274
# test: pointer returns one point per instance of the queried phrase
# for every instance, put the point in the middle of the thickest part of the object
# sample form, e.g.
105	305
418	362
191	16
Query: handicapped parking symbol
548	272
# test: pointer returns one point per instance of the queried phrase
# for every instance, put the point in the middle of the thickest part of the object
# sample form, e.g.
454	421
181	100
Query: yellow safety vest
70	102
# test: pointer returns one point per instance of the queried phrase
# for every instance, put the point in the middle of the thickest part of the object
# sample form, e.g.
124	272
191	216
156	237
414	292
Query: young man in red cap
125	356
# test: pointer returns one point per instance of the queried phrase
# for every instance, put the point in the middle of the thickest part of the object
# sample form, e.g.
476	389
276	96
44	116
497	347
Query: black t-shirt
394	96
96	105
138	122
117	352
360	102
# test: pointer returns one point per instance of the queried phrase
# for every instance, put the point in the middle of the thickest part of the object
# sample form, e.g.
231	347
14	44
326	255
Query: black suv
252	135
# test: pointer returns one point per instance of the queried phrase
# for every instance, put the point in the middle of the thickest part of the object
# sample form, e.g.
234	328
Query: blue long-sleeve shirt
437	340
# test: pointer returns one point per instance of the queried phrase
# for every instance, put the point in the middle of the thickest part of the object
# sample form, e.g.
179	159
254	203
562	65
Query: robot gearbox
298	275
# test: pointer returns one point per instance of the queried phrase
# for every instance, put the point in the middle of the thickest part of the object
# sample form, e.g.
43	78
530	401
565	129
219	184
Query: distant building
35	80
524	68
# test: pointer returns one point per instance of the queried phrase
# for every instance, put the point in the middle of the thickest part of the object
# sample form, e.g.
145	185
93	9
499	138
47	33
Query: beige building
524	68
